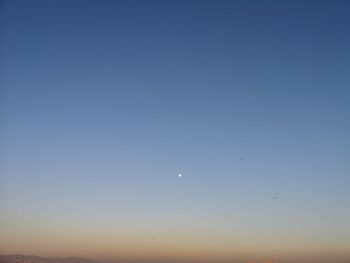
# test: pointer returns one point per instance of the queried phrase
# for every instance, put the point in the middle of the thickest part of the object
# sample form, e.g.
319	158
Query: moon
180	175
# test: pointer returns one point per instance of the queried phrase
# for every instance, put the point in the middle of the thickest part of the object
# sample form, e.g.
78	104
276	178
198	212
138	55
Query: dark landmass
35	259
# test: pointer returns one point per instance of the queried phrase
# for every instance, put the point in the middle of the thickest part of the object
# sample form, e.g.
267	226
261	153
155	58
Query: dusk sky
104	103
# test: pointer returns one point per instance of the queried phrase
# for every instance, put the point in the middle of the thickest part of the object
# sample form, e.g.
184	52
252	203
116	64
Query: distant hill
35	259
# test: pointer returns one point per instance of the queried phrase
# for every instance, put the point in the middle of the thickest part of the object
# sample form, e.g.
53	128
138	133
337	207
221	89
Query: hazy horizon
248	259
104	103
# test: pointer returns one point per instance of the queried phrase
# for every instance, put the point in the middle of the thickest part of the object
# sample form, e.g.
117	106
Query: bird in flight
274	198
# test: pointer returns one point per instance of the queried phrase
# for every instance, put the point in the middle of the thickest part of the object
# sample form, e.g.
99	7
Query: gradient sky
104	103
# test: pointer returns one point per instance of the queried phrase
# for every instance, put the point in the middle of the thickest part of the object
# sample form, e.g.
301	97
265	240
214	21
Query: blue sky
104	103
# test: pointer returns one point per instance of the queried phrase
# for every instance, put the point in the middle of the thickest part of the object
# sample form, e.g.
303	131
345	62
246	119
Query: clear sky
104	103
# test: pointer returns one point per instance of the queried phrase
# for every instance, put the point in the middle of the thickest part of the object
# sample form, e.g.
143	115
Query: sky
104	103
